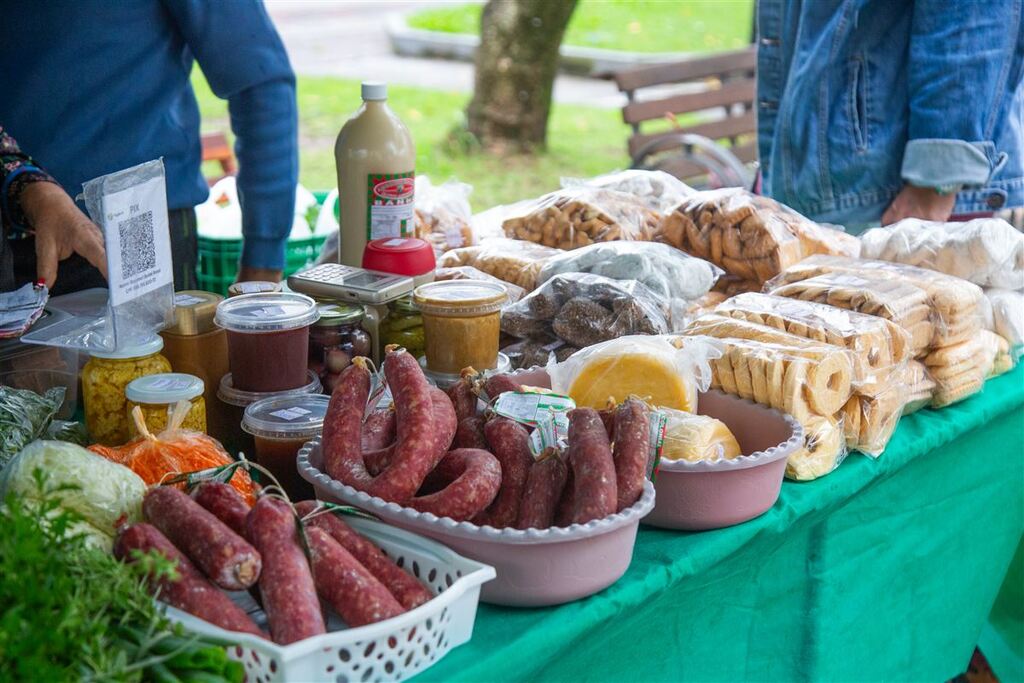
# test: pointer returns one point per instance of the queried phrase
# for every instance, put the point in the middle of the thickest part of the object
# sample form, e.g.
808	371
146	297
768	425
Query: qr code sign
138	249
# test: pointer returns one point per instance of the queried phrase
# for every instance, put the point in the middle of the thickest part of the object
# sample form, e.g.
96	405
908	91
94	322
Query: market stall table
885	569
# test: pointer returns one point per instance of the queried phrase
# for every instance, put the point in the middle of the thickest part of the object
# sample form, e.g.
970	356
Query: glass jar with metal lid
104	378
157	395
403	326
335	339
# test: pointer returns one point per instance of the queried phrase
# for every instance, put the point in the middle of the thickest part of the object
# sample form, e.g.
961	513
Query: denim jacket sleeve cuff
937	163
264	252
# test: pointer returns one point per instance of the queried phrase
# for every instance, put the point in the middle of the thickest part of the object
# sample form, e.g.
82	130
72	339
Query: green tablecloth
885	569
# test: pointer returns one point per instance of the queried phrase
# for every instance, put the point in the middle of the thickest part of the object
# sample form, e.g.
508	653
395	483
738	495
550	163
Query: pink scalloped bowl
535	567
694	496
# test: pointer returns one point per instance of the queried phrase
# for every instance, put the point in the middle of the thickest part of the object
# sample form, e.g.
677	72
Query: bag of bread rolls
657	190
823	450
443	215
514	261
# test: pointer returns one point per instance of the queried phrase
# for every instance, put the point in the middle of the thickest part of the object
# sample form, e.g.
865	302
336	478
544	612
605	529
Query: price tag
265	312
291	414
186	300
170	384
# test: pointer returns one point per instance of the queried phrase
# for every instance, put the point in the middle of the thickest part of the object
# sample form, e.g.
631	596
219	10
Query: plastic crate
218	258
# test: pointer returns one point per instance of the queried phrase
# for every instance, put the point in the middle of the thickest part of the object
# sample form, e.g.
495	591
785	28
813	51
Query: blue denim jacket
856	97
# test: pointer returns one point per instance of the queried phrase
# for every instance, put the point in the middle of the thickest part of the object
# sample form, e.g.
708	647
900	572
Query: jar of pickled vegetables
335	339
104	379
158	395
403	326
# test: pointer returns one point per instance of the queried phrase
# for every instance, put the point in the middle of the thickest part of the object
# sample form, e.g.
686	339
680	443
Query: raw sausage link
286	585
191	592
342	432
444	418
470	434
224	503
510	443
544	485
590	456
566	504
406	588
632	448
474	476
224	556
462	397
379	430
346	585
496	385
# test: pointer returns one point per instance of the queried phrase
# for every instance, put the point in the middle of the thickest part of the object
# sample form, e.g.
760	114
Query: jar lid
253	287
446	379
333	314
405	304
146	348
165	388
266	312
460	297
227	393
193	312
286	417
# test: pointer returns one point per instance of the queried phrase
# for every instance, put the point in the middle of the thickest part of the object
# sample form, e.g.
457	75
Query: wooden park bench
715	105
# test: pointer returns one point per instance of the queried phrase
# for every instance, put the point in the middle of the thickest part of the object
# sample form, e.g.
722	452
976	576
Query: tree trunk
515	72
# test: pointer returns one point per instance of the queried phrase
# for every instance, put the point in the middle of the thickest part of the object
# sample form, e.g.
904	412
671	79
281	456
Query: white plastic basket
390	650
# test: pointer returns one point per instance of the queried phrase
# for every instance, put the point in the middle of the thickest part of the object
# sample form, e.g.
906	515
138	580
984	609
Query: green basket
218	258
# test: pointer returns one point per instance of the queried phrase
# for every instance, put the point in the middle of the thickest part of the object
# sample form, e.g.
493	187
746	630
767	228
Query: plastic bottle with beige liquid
376	163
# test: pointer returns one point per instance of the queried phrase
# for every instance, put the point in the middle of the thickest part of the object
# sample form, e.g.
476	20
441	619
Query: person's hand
250	274
61	229
919	202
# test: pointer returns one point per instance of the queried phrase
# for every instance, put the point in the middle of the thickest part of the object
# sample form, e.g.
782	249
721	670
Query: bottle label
389	205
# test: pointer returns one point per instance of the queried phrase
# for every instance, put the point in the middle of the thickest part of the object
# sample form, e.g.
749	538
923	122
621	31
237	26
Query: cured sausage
496	385
223	502
224	556
444	418
346	585
415	451
406	588
510	443
190	591
470	434
462	396
286	585
632	449
590	455
544	485
378	430
474	478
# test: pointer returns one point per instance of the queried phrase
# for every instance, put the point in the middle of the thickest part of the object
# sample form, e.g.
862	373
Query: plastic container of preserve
535	567
235	401
156	396
280	425
268	339
461	323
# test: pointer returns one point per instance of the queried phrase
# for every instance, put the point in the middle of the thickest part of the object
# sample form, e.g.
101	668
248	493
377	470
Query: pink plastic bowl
535	567
709	495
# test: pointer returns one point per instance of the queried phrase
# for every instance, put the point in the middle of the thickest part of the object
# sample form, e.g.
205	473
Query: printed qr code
138	251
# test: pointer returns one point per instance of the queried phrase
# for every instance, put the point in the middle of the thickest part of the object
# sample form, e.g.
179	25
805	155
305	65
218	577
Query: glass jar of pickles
335	339
104	379
403	326
157	395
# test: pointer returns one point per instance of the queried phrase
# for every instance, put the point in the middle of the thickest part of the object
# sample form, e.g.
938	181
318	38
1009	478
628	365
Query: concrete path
348	39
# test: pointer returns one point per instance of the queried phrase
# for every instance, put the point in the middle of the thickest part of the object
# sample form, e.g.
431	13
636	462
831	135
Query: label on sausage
548	435
657	424
526	407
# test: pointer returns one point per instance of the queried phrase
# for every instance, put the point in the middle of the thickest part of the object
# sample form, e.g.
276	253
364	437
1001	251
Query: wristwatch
946	190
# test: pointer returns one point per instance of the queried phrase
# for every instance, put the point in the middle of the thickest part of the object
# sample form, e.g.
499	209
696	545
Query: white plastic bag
658	190
443	214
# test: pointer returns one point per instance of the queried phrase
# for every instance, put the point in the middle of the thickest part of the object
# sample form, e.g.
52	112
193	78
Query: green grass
582	141
631	25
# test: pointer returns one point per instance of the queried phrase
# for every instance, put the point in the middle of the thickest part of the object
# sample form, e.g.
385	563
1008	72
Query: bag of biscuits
753	238
442	215
1007	316
986	251
657	190
822	451
514	261
515	292
577	216
919	387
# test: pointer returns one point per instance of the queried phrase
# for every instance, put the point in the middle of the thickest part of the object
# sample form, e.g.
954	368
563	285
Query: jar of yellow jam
157	395
104	378
461	323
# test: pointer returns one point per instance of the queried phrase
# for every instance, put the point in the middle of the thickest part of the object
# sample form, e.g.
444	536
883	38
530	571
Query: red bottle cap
399	255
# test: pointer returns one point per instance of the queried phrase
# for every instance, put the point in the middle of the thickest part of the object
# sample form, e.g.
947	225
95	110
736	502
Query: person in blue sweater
92	87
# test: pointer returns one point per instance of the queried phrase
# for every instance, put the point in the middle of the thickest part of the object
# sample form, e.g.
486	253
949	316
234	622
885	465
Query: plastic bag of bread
665	372
871	293
582	310
666	271
515	292
531	353
986	251
870	419
577	216
823	450
514	261
696	437
657	190
730	285
880	348
752	237
442	215
1007	309
804	380
958	370
919	387
704	304
956	304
